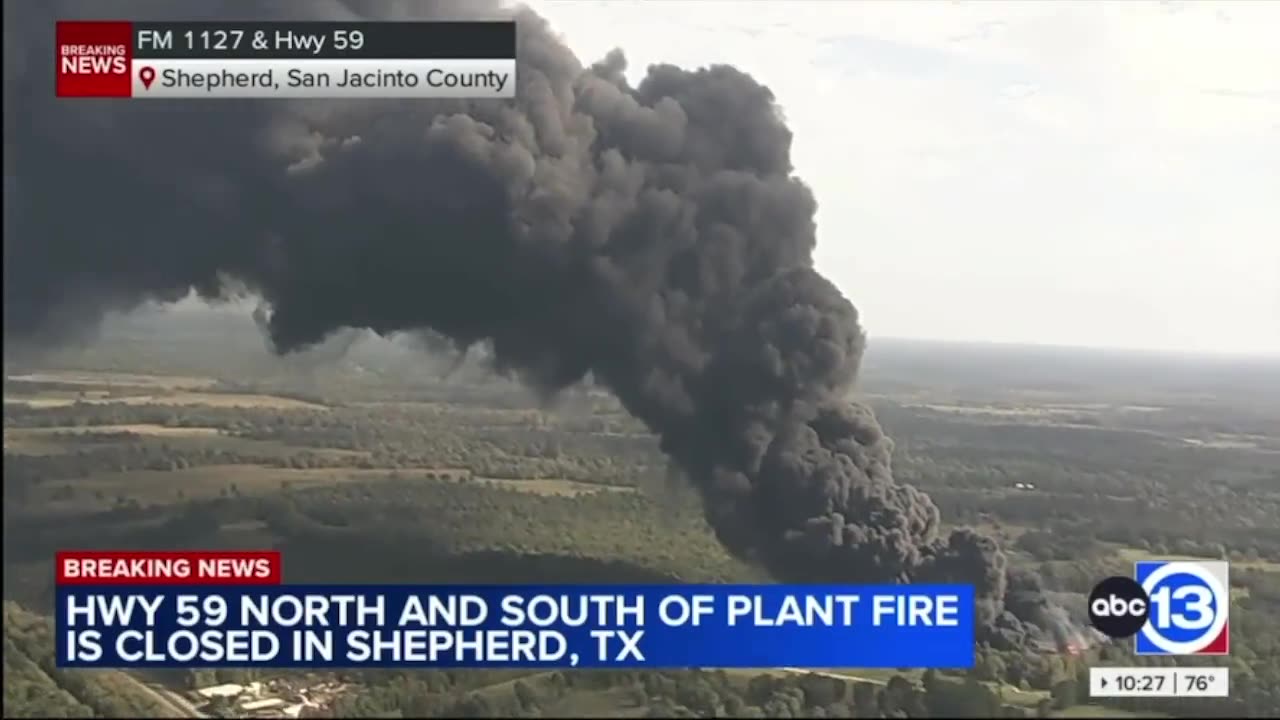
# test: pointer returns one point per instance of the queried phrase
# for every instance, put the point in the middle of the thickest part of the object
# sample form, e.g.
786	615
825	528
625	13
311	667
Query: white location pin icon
147	75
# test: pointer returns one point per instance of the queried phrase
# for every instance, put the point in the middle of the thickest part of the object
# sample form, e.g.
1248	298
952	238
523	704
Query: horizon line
193	301
1232	354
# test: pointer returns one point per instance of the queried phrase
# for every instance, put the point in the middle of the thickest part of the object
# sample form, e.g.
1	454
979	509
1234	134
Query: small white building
228	690
264	704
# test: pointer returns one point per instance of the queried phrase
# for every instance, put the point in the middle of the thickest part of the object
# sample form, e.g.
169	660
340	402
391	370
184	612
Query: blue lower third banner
618	626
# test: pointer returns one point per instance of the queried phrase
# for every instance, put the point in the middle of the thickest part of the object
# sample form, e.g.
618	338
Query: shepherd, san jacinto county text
347	79
329	79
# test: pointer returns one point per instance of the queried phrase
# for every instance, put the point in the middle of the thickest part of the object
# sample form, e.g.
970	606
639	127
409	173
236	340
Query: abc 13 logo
1168	607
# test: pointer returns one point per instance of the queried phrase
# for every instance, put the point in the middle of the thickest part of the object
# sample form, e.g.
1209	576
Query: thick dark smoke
652	236
326	353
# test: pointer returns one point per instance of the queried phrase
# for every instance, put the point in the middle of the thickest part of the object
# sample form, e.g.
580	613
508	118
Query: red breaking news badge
168	567
94	59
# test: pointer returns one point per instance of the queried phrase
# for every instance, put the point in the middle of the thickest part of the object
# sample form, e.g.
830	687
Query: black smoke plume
653	237
330	351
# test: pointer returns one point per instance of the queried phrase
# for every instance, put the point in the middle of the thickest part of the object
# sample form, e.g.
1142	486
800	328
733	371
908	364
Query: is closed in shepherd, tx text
364	626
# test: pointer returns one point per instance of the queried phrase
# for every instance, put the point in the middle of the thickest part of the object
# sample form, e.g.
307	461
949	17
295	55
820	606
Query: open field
550	486
149	429
614	703
1223	441
55	399
1027	411
1034	409
161	487
618	702
116	379
67	388
65	440
24	444
1019	697
876	675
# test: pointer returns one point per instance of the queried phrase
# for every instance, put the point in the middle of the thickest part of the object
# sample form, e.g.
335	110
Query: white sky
1091	173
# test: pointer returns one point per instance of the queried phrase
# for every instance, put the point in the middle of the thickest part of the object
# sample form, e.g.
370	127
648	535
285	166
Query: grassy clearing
1013	412
59	440
253	535
879	676
1235	441
612	702
1132	554
57	398
1017	696
1041	413
552	486
615	702
162	487
139	429
211	399
1006	531
22	444
134	380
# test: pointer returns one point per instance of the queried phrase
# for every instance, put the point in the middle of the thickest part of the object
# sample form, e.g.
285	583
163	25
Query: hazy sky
1100	173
